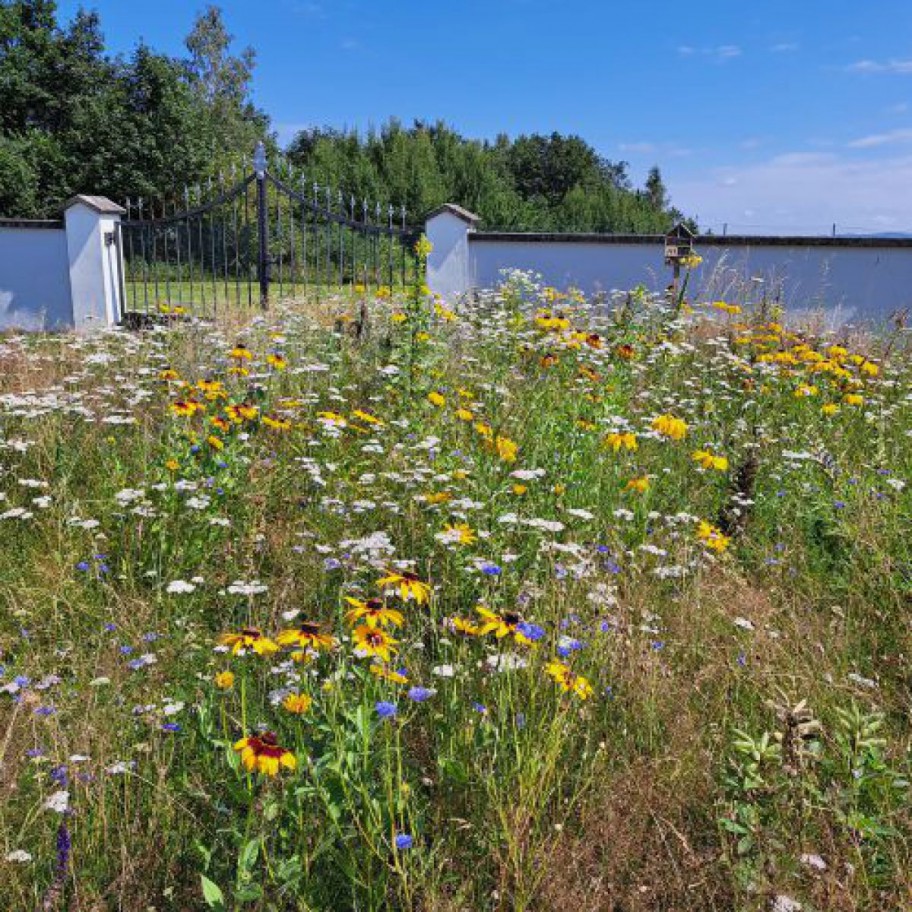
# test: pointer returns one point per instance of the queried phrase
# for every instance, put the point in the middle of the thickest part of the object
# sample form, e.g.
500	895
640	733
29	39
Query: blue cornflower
480	708
83	566
386	710
420	694
110	628
657	645
171	727
22	680
742	659
60	776
126	650
45	711
530	631
491	570
404	841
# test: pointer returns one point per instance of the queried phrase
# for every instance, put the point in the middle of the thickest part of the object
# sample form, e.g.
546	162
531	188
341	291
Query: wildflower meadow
533	603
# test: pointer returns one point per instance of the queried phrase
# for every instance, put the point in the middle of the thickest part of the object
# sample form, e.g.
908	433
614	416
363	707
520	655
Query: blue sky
771	116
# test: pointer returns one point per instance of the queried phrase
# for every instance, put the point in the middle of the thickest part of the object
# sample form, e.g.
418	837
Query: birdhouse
679	244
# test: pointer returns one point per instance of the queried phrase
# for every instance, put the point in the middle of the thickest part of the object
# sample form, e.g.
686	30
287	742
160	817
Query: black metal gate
244	241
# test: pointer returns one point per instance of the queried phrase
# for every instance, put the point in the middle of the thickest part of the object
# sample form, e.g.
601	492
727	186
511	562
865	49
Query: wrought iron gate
244	241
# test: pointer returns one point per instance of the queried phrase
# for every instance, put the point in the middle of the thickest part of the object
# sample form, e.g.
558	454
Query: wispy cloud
719	53
785	47
803	192
658	149
897	67
882	139
642	148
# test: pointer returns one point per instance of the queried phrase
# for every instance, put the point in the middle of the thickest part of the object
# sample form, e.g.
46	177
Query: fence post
450	271
259	166
92	229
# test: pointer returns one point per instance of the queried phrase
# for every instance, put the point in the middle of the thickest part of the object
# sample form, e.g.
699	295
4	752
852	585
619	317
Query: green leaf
212	894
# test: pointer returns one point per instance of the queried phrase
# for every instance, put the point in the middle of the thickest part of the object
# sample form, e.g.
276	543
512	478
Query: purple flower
420	694
83	566
404	841
45	711
171	727
491	570
386	710
59	775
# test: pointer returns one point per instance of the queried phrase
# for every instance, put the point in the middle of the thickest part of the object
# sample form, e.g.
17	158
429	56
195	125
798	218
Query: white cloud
658	149
784	47
898	67
719	53
801	192
643	148
882	139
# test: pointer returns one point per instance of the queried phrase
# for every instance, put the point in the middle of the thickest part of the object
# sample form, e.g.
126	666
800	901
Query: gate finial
259	159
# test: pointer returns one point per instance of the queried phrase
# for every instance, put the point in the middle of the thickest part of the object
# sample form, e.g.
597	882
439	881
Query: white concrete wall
62	278
849	283
34	279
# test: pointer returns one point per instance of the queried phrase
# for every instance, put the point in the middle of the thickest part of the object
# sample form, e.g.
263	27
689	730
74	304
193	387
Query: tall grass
659	659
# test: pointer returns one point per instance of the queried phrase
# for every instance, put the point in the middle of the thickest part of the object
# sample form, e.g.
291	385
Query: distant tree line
75	119
543	183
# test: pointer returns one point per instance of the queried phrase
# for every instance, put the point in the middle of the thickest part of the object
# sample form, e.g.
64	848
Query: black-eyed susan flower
407	584
640	485
240	352
502	625
366	417
617	441
436	399
670	426
568	680
307	635
224	680
457	534
374	612
186	408
297	704
373	642
276	361
249	638
274	423
707	460
506	449
262	753
712	537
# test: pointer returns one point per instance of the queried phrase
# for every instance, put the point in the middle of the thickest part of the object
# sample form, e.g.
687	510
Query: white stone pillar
96	263
450	272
